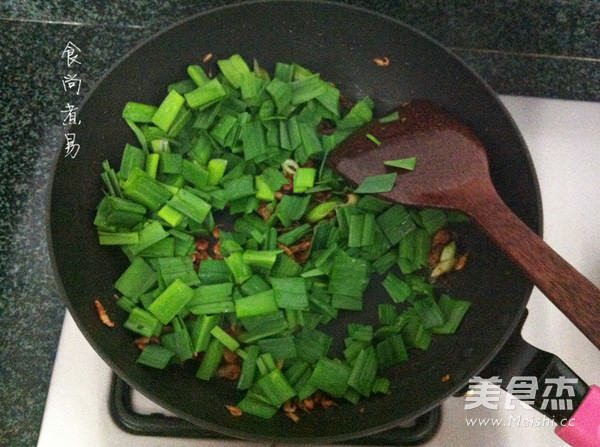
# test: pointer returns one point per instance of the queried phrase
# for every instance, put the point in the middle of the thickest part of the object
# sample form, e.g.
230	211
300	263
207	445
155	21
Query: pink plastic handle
583	428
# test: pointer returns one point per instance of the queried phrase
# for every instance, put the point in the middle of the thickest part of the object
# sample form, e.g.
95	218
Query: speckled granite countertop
533	48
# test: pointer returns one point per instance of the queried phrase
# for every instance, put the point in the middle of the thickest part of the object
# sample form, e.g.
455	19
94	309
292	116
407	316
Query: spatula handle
569	290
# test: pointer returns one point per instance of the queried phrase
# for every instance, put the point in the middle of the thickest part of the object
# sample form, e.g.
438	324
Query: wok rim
233	432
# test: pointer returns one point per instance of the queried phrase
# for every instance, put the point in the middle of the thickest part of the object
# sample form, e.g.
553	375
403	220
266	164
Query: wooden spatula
452	172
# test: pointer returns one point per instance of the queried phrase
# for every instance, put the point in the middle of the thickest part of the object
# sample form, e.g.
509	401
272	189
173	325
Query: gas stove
564	140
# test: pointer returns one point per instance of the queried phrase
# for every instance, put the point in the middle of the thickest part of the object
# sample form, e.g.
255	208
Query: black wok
339	42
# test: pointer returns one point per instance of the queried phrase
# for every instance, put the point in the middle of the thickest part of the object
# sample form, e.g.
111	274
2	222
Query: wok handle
583	429
577	297
576	408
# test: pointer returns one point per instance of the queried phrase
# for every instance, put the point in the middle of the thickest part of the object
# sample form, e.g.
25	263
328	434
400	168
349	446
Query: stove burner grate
156	424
